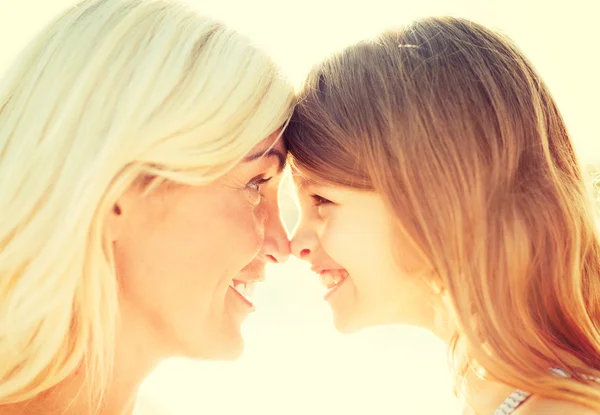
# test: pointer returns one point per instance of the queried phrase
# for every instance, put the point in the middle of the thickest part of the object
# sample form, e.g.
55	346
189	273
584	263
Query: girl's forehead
304	179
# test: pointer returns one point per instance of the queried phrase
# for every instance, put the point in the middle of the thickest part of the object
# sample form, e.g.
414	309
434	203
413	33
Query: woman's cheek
246	230
256	225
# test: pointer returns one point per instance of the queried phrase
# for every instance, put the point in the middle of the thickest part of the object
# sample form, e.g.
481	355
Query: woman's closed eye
255	185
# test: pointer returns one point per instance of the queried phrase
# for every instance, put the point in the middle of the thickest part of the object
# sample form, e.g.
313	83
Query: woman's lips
244	290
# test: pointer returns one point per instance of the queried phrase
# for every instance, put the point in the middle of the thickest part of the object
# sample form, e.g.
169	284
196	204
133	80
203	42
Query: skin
176	252
348	230
345	231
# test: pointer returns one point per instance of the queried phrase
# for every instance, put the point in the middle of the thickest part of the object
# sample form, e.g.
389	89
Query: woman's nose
276	246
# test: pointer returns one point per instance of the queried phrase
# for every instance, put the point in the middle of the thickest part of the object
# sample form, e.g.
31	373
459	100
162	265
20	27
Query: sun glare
295	362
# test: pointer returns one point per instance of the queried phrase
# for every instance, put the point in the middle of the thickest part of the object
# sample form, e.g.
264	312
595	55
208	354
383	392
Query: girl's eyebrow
304	181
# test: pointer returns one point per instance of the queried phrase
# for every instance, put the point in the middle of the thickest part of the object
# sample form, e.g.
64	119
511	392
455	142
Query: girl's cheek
329	237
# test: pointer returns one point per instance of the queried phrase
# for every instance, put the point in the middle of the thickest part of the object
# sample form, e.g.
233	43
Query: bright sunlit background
295	363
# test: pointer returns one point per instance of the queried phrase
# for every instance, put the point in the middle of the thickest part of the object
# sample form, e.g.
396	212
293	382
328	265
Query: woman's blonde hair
450	123
110	92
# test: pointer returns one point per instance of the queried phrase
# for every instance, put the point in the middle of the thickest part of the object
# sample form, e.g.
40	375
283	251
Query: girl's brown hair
450	123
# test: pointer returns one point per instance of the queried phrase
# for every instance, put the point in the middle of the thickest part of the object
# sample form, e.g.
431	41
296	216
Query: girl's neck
485	396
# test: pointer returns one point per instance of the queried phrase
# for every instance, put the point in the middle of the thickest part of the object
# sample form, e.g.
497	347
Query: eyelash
319	200
258	181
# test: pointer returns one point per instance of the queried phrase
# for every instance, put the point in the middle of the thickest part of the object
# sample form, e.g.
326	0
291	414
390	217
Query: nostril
304	253
272	258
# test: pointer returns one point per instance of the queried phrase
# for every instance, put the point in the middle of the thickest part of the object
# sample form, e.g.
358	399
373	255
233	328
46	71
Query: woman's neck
134	361
73	397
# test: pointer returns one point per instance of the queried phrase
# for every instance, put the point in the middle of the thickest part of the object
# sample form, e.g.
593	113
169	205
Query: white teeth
240	287
331	278
246	289
327	280
250	289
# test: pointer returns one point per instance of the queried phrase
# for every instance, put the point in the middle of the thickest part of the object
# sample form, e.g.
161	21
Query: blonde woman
439	187
139	167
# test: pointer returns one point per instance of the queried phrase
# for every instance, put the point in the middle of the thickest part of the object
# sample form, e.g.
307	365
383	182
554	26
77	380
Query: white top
510	404
518	397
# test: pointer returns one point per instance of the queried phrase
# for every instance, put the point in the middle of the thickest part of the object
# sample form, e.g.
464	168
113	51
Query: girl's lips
331	268
331	277
333	289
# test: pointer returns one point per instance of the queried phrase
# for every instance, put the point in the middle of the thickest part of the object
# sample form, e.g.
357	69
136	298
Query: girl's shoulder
538	405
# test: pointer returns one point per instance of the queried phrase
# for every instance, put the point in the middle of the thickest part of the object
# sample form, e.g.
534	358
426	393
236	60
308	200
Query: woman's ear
118	214
114	222
126	211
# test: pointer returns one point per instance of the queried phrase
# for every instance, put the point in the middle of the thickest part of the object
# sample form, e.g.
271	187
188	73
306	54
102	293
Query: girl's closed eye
320	201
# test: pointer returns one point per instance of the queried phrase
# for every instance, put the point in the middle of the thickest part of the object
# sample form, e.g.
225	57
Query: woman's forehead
272	147
272	141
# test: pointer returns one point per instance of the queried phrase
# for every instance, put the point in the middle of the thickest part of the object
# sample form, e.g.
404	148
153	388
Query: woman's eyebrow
269	153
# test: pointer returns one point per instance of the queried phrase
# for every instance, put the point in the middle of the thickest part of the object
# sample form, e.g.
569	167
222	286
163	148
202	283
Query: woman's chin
220	349
223	343
230	352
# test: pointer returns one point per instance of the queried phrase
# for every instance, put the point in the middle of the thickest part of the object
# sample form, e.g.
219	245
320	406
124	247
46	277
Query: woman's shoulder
147	406
545	406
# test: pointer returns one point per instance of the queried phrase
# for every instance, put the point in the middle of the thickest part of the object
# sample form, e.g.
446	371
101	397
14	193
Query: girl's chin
348	324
